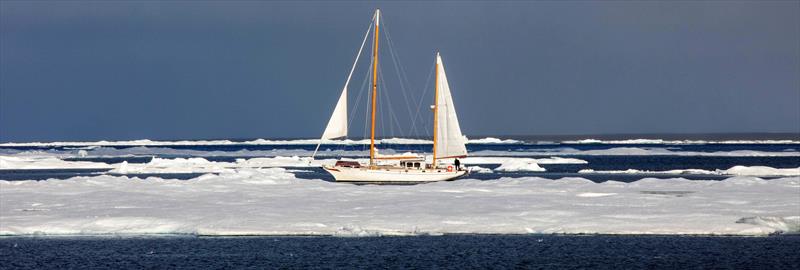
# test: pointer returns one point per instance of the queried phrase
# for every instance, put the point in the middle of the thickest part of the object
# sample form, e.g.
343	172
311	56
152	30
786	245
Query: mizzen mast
374	87
435	107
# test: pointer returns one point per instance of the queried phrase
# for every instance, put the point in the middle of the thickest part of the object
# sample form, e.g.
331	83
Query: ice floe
661	141
762	171
27	160
479	169
329	152
735	170
145	142
519	165
271	201
173	152
502	160
486	140
491	140
201	165
46	163
634	151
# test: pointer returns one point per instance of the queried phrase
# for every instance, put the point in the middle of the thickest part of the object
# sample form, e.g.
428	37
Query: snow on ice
735	170
634	151
662	141
201	165
272	201
145	142
46	163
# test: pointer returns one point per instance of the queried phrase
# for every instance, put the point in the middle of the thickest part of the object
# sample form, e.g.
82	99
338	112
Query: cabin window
416	165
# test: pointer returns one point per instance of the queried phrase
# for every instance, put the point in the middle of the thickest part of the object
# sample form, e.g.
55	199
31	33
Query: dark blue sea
418	252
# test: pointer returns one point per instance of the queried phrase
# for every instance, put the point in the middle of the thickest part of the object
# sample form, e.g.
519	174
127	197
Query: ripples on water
451	251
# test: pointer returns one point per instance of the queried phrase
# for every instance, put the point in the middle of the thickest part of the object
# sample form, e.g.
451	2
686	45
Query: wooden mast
435	107
374	87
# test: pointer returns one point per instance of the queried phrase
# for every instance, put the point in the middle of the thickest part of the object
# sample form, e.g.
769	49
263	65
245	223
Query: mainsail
449	142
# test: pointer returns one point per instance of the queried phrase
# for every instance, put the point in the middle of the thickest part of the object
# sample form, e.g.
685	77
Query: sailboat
448	142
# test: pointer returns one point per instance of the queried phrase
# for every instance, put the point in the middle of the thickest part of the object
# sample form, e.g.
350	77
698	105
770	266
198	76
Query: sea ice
502	160
145	142
478	169
735	170
201	165
326	151
661	141
273	201
46	163
517	165
634	151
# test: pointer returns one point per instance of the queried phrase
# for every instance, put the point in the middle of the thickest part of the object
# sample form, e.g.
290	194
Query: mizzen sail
449	140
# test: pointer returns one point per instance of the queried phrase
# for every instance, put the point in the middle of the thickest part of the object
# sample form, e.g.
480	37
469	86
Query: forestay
337	125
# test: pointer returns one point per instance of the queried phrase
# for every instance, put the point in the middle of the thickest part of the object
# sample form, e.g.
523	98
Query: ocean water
419	252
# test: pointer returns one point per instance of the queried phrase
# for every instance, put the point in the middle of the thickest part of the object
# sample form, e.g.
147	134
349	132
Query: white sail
449	140
337	125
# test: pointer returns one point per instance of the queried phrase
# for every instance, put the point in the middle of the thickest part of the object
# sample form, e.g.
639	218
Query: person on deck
458	165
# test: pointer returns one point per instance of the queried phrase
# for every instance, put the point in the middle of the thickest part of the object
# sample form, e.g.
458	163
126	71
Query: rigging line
397	121
403	88
347	82
400	71
386	102
366	110
361	92
358	98
386	112
422	97
358	54
402	78
381	95
399	68
392	114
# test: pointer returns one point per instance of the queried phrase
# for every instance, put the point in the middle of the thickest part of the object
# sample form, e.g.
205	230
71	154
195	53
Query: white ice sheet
273	202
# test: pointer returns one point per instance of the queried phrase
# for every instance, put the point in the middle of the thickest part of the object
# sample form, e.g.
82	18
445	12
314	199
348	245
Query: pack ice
272	201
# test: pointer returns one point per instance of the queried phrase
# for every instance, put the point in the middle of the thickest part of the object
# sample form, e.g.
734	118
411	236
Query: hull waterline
348	174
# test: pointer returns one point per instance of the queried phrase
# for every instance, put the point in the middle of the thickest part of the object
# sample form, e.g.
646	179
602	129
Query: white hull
348	174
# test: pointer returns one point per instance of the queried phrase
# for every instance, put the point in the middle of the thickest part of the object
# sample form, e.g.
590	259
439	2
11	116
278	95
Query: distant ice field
650	157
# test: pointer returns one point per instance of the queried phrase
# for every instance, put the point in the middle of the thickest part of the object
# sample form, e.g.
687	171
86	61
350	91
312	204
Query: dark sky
195	70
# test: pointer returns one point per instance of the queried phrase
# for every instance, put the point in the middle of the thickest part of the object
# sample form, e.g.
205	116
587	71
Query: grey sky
189	70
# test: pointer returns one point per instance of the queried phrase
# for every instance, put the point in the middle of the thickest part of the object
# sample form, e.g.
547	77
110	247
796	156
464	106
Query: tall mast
435	107
374	87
